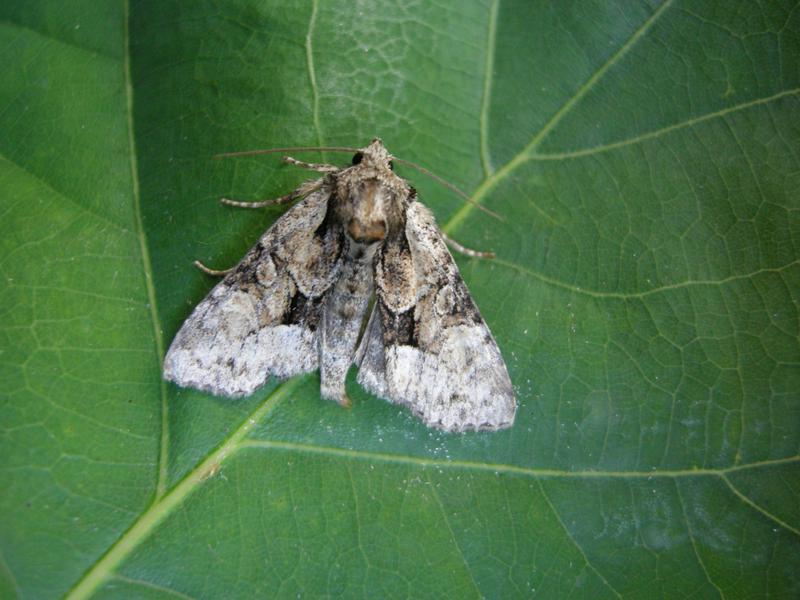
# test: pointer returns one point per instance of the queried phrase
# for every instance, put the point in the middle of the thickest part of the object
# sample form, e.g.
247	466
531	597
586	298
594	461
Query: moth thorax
365	212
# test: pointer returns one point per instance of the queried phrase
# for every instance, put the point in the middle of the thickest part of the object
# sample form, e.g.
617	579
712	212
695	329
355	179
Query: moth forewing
261	319
298	300
438	356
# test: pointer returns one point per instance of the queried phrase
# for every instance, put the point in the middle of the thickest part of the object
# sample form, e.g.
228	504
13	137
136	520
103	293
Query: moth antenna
449	186
293	149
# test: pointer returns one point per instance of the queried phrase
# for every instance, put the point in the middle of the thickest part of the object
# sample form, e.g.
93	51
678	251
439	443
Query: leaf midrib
99	572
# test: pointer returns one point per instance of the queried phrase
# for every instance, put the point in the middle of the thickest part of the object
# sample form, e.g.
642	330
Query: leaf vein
507	468
141	528
49	36
664	130
752	504
64	196
631	295
575	542
147	266
435	494
488	76
312	21
694	545
490	182
154	586
11	577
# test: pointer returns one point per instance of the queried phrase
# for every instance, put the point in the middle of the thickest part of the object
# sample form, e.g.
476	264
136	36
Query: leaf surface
645	159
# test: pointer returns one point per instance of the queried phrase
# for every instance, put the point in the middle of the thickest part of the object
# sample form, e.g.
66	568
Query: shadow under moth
298	299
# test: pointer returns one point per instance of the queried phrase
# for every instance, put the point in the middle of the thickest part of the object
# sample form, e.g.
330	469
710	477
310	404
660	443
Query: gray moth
297	302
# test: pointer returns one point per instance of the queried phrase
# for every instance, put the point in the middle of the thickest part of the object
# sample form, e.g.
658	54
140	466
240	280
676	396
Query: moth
297	302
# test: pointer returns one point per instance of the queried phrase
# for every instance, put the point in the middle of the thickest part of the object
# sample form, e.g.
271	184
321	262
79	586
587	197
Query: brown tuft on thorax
371	199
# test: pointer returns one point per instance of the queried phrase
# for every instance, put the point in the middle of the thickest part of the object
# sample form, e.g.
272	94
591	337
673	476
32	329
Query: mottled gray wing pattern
262	318
426	345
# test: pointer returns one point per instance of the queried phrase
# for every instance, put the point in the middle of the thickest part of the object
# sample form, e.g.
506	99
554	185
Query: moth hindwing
298	299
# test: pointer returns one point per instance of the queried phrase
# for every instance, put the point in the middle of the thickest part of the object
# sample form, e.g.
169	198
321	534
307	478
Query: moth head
370	196
374	156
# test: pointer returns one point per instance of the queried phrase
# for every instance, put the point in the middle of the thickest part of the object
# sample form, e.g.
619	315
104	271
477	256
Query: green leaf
645	157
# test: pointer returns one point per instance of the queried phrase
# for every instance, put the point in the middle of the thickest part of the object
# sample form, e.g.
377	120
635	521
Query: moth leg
321	167
262	203
464	250
305	189
213	272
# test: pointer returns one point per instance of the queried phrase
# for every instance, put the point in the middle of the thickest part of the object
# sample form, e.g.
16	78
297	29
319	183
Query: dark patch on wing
245	273
398	329
464	308
304	311
315	273
324	228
